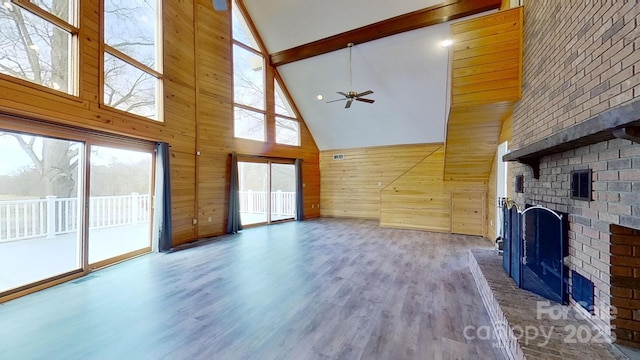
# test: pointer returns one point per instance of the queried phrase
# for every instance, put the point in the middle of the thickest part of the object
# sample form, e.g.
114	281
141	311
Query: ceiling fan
353	95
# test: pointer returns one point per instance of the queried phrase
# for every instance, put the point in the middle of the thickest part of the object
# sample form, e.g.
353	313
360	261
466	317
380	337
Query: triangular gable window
240	28
283	107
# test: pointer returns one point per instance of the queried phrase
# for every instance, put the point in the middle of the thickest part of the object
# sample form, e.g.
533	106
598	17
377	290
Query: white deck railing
26	219
255	202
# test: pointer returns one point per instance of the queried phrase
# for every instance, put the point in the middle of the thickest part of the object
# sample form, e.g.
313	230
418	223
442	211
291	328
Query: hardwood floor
319	289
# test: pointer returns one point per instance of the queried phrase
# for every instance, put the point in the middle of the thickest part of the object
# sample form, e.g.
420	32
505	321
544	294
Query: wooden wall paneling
418	199
213	193
214	94
351	187
311	189
486	81
183	196
467	212
472	138
180	113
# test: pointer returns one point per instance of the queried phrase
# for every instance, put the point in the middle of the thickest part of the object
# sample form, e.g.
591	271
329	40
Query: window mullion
126	58
36	10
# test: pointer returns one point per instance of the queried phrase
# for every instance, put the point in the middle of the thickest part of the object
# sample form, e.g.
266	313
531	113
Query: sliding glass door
119	204
70	202
283	191
40	208
267	191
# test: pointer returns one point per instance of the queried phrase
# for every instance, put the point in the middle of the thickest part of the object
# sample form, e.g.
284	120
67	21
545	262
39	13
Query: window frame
249	48
297	134
156	72
270	77
71	27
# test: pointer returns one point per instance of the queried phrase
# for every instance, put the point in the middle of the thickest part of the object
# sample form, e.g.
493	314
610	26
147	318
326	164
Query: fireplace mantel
619	122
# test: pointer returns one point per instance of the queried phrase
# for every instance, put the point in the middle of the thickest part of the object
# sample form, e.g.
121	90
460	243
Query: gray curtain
233	224
162	223
299	194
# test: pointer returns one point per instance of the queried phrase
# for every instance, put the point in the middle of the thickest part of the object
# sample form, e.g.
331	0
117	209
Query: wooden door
467	212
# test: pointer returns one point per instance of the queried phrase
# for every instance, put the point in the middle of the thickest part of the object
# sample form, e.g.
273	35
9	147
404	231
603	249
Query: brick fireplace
625	283
580	110
602	230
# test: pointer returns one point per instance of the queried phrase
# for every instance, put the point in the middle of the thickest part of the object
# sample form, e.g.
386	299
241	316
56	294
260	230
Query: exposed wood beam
449	10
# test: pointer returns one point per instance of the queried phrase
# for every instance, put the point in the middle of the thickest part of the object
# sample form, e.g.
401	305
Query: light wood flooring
318	289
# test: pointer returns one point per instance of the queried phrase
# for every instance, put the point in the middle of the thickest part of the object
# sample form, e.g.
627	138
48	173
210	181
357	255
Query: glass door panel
253	179
119	203
40	215
283	191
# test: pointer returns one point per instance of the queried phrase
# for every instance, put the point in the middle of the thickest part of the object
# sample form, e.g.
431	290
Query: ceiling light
320	97
8	5
446	43
34	47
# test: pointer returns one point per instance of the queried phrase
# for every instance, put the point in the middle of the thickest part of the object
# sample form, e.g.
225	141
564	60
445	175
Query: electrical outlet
195	221
318	206
312	206
379	183
210	219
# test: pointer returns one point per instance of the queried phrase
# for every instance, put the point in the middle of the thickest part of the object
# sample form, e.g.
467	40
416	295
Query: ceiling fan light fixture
351	95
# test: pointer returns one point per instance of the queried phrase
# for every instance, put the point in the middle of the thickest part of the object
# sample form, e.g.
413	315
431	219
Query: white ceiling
407	72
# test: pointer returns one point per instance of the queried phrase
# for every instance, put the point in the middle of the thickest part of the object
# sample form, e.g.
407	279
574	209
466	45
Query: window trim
74	68
61	23
298	133
264	77
270	77
156	73
249	108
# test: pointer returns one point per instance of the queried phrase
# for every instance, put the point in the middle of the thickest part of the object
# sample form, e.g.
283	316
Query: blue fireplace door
544	239
506	240
516	245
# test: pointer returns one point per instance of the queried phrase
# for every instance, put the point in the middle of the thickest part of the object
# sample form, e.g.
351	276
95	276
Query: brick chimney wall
582	58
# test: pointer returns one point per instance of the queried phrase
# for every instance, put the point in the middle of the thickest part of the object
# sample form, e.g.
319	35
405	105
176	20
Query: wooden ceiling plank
450	10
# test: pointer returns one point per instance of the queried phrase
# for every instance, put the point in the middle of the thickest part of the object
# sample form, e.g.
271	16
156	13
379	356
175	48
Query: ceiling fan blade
341	93
368	92
348	104
336	100
366	100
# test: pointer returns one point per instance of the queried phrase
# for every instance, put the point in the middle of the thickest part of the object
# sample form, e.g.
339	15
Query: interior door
467	212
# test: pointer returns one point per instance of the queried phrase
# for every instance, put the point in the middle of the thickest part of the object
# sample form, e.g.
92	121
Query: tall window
132	79
248	82
252	110
38	42
287	126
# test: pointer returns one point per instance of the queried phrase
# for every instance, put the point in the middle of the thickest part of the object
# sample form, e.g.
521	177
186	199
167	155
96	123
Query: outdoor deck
29	260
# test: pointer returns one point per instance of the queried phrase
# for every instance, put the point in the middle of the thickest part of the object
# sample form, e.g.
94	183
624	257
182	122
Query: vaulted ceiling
408	71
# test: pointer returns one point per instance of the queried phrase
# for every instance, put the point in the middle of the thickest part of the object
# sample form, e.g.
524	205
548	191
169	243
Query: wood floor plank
320	289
